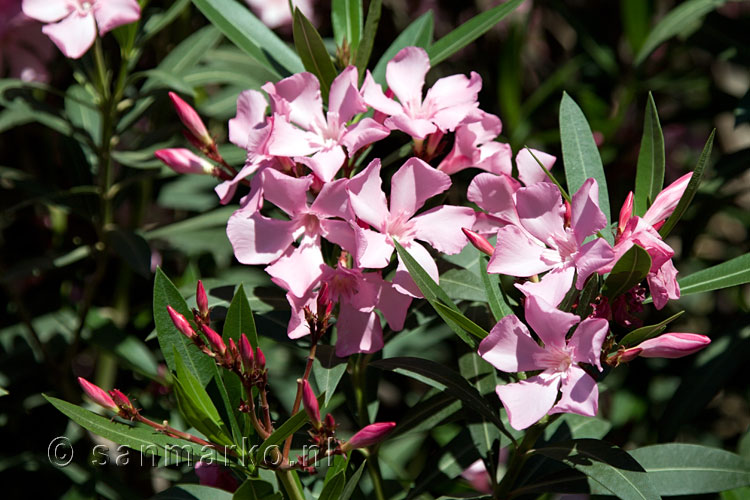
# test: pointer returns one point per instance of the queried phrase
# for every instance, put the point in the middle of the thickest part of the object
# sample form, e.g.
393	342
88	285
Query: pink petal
419	128
226	189
251	113
452	98
393	304
297	326
487	225
373	250
413	184
587	341
509	347
441	227
333	200
110	14
495	157
592	257
327	162
344	98
529	400
553	287
363	133
357	332
373	95
339	232
541	210
257	239
47	11
298	269
666	201
367	198
663	285
586	216
579	393
529	171
494	193
548	322
73	35
298	98
516	254
405	75
286	192
403	282
289	140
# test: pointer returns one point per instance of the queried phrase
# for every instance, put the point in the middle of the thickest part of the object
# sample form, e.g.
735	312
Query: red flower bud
201	299
246	352
626	212
311	404
479	241
260	358
192	121
98	395
214	339
372	434
330	422
120	399
184	161
181	323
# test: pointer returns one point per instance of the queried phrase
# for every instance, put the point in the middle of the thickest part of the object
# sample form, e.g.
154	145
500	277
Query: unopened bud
624	356
214	339
120	399
480	242
673	345
181	323
246	352
311	404
568	213
201	299
192	121
98	395
626	212
330	422
323	299
184	161
233	355
260	358
372	434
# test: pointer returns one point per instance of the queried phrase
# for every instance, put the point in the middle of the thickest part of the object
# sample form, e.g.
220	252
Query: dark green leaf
193	492
465	323
630	270
132	248
606	464
170	339
483	376
428	414
462	284
580	154
730	273
256	489
498	306
353	482
646	332
328	371
313	52
251	35
292	425
689	469
333	487
417	34
368	37
346	17
649	178
572	426
161	20
691	189
455	457
240	319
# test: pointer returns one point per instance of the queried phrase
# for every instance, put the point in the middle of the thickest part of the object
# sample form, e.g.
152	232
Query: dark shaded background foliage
584	47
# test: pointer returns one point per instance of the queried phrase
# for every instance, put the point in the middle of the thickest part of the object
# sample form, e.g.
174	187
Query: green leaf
427	414
444	379
256	489
649	177
691	189
462	284
465	323
313	52
498	306
140	438
197	407
689	469
646	332
454	458
730	273
483	376
333	487
433	293
417	34
132	248
240	319
469	31
353	482
346	17
580	155
606	464
328	371
674	23
630	270
368	37
170	339
193	492
248	33
161	20
572	426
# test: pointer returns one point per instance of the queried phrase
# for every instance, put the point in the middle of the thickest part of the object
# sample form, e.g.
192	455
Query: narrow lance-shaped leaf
346	18
368	37
240	319
649	177
417	34
469	31
630	270
647	332
498	306
730	273
580	154
692	188
313	52
460	319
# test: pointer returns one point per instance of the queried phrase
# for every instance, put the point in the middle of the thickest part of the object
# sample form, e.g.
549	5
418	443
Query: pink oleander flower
478	477
475	146
368	436
210	474
662	277
411	186
24	50
98	395
184	161
668	345
276	13
509	347
301	129
542	241
72	24
444	107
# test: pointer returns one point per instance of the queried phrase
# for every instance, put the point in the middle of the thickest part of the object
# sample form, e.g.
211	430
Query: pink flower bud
323	298
260	357
673	345
181	323
184	161
216	476
373	433
214	339
233	354
568	213
201	299
246	353
624	356
98	395
311	404
666	201
626	212
189	117
330	422
120	399
479	241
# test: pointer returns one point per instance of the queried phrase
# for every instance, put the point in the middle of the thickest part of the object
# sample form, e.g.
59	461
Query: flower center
310	222
566	244
400	227
343	284
554	358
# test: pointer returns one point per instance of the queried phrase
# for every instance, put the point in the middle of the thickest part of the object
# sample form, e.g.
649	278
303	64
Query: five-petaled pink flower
509	347
72	24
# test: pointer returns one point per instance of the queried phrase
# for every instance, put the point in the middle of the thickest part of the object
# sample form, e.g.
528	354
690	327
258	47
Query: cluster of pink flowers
339	230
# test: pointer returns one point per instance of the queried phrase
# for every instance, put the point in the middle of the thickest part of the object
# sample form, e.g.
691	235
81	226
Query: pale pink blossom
411	186
475	146
444	106
510	348
24	50
72	24
542	241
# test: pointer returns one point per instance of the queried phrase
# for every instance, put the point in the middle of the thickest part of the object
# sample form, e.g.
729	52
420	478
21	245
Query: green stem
359	381
286	478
